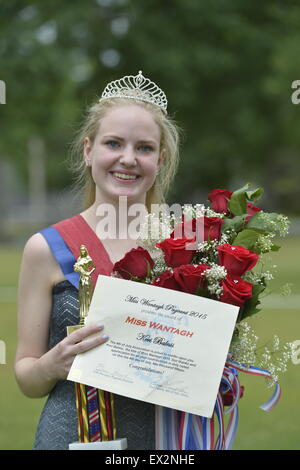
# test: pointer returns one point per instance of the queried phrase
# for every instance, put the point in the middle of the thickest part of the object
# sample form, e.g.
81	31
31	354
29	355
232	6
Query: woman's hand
59	359
37	368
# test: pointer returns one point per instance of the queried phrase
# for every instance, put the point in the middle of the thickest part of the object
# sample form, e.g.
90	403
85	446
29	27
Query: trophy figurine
95	408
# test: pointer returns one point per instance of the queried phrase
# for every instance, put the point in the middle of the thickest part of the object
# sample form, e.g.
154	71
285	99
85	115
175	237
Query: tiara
136	87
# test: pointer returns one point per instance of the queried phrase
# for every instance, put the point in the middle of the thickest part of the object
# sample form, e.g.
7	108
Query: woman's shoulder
36	246
37	255
38	251
39	261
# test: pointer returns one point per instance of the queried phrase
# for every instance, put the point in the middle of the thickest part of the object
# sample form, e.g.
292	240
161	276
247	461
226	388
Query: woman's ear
87	147
161	157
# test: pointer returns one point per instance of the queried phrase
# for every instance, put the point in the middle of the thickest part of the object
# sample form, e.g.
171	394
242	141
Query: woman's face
125	154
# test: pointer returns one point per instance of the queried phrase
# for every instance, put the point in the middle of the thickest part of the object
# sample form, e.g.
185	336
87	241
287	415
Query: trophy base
117	444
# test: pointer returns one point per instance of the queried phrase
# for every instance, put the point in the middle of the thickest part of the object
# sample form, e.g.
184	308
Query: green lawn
278	429
18	414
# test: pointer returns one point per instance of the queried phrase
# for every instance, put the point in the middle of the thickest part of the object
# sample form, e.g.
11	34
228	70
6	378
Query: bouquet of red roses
215	252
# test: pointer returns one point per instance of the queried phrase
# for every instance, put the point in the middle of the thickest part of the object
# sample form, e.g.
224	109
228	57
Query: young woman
127	146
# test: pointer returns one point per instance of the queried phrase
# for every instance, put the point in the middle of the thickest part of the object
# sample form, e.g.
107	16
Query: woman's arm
37	369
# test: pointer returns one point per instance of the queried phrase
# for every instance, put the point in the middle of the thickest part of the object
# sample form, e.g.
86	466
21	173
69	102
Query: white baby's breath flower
210	213
208	248
258	278
279	223
216	289
199	210
155	228
267	276
283	225
214	275
244	350
264	243
226	237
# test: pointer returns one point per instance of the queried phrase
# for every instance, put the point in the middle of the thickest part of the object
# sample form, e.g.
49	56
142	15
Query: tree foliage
227	67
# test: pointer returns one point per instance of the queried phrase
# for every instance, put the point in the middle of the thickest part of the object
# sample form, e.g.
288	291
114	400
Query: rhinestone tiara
136	87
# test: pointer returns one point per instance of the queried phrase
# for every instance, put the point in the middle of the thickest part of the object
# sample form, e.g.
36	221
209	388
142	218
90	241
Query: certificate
165	347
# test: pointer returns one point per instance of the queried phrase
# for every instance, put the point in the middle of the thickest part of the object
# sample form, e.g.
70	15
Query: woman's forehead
129	119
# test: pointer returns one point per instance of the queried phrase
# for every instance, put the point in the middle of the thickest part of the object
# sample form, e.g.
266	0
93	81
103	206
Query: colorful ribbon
95	409
178	430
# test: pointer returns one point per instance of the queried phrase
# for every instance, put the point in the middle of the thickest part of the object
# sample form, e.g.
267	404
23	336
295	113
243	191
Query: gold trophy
95	408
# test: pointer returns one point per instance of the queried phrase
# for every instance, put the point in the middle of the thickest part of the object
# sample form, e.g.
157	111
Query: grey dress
58	422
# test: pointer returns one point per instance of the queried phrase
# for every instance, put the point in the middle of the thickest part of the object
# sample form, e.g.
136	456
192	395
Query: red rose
235	290
203	228
227	397
236	259
176	251
135	263
251	210
190	277
212	228
167	280
219	199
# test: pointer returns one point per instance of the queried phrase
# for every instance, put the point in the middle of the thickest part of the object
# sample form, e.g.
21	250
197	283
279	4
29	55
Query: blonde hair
89	128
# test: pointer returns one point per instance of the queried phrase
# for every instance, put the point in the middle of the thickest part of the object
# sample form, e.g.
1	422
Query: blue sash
62	254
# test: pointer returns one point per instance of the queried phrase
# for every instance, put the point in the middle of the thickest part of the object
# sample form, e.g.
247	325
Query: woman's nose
128	157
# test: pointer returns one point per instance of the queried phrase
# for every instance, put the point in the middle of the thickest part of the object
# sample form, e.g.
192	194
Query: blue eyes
114	144
145	148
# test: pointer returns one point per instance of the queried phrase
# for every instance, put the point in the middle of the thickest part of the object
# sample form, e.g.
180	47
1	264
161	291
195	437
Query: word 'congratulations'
159	326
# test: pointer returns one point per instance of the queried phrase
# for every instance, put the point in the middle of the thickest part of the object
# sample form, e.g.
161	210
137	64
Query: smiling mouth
124	177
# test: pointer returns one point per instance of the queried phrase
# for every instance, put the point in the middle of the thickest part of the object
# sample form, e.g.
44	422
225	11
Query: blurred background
228	69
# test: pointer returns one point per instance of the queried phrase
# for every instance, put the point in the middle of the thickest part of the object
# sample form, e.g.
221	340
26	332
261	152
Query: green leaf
236	224
149	269
246	238
258	221
238	201
202	292
255	195
249	312
275	247
257	289
251	305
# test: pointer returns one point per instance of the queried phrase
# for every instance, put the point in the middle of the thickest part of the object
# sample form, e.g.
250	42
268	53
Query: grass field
278	429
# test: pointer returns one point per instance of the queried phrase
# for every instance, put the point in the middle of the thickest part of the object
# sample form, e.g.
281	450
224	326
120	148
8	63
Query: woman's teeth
125	177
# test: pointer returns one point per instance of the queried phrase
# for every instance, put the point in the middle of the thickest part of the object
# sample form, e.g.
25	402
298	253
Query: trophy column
95	408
